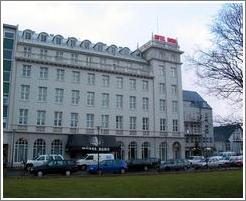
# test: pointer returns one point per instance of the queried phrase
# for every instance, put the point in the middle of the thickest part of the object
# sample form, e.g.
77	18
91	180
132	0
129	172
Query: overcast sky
125	24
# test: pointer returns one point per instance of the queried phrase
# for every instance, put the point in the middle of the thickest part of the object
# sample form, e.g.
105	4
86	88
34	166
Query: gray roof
223	133
195	99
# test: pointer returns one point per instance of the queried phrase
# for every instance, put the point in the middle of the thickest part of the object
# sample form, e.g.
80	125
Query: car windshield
83	157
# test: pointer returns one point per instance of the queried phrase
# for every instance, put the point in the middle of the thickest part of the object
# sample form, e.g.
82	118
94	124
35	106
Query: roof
196	99
223	133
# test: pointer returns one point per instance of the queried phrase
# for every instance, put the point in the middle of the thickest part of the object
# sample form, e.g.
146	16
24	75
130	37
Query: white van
92	159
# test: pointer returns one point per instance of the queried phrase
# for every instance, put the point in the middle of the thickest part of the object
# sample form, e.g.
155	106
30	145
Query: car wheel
122	171
68	173
29	167
40	174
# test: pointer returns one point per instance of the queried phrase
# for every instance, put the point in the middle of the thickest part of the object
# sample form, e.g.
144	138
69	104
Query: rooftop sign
163	39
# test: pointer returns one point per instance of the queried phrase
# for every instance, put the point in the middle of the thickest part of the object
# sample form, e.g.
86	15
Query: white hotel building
60	89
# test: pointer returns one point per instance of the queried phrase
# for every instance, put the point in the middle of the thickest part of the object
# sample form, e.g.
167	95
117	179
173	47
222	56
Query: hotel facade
60	94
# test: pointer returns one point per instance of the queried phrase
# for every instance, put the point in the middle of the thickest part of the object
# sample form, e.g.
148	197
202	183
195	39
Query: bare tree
219	68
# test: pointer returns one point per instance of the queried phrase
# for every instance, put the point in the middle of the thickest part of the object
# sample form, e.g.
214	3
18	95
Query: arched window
58	39
132	150
85	44
21	146
38	148
176	150
27	34
56	147
145	150
163	151
43	37
121	154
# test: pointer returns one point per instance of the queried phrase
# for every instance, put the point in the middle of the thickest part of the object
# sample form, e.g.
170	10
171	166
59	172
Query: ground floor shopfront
20	146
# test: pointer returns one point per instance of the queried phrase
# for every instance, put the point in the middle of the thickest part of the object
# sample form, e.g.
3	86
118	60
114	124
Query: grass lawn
220	184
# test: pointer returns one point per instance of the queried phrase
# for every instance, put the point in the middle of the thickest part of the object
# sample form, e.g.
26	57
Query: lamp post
98	130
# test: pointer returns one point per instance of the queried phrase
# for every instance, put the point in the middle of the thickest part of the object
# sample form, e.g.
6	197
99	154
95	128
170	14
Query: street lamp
98	130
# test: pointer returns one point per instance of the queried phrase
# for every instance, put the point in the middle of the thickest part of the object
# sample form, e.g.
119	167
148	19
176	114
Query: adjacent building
198	125
66	96
229	138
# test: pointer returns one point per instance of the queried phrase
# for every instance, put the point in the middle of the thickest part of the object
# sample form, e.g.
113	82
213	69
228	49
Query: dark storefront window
8	43
6	65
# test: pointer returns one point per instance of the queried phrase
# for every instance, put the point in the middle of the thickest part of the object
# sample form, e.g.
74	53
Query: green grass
221	184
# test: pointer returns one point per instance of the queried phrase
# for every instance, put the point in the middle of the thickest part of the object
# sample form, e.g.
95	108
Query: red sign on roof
172	40
159	38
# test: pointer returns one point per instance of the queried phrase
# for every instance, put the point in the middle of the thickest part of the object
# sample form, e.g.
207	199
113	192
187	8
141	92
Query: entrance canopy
90	143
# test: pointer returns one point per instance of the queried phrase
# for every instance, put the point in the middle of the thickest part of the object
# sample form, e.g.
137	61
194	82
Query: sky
126	24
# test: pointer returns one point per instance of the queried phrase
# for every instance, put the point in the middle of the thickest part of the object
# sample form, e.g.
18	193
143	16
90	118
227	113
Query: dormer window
43	38
58	40
28	35
100	48
72	43
113	50
87	45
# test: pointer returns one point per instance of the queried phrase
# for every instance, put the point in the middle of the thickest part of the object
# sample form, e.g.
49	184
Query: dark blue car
111	166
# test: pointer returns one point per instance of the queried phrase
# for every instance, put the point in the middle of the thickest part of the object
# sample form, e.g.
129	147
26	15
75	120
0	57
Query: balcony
57	129
65	61
145	133
90	131
119	132
104	131
40	128
133	132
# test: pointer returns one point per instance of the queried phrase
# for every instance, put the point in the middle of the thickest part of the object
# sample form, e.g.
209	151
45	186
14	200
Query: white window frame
105	80
119	82
175	125
90	98
133	123
91	79
162	105
175	106
42	94
60	74
145	103
119	101
132	102
145	85
145	123
59	93
133	84
105	121
74	120
105	100
90	120
57	119
76	76
43	73
26	70
119	122
25	92
23	116
75	97
41	115
163	124
162	88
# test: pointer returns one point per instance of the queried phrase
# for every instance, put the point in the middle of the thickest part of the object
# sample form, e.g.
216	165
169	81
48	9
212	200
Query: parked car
55	166
227	154
179	164
217	162
41	160
143	164
195	160
200	164
235	161
113	166
92	159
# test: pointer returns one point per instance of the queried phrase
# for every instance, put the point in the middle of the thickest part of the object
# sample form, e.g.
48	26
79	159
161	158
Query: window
43	73
90	98
27	51
103	62
145	150
145	103
75	97
162	89
7	54
25	92
173	72
74	57
42	93
76	76
174	90
58	119
132	84
145	85
206	117
59	95
162	105
175	106
105	100
90	120
74	120
163	151
132	102
41	117
60	73
38	148
72	43
26	71
59	55
133	123
105	79
119	82
175	125
23	116
145	123
105	121
206	129
88	61
43	53
132	150
21	147
28	35
43	37
119	101
162	124
119	122
56	147
58	40
162	70
91	79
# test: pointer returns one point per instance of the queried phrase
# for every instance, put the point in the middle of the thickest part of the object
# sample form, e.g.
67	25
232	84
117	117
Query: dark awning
89	142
